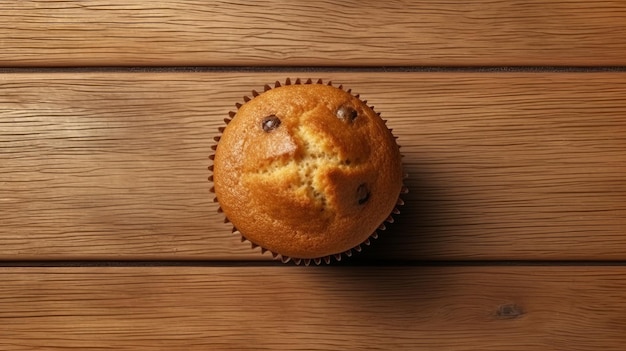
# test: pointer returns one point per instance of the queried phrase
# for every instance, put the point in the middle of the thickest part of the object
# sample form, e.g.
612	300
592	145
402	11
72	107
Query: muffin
307	171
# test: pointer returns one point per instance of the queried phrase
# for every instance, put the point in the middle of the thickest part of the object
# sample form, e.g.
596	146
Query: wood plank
272	308
503	166
346	33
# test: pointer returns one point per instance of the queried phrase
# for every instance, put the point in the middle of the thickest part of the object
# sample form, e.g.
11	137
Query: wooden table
512	117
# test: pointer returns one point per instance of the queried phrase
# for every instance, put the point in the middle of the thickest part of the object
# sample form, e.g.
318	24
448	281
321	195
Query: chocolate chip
270	123
363	193
346	113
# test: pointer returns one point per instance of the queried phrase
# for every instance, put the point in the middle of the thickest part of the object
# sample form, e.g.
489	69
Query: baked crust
307	171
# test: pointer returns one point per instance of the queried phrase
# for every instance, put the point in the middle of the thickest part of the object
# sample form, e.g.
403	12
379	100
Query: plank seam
350	263
304	69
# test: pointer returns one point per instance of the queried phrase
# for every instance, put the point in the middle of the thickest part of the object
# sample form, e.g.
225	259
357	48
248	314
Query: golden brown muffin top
307	171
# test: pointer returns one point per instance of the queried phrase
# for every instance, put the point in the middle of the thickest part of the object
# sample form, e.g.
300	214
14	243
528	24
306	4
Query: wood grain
502	166
336	33
273	308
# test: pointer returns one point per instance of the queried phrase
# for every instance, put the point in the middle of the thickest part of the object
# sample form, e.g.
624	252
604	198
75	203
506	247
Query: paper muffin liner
318	260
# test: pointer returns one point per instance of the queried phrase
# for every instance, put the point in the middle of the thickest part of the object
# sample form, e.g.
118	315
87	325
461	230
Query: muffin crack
303	173
316	155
